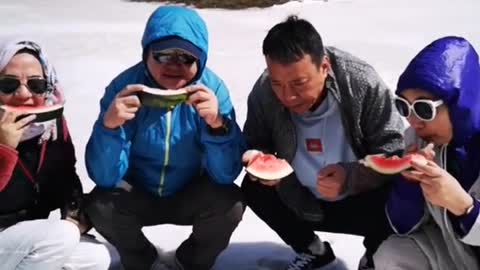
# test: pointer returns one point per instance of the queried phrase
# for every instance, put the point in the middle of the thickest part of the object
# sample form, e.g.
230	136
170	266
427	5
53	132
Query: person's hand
206	104
426	152
11	130
439	187
247	158
331	181
123	107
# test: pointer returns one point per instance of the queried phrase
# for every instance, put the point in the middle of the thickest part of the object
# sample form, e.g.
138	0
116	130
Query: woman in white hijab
37	171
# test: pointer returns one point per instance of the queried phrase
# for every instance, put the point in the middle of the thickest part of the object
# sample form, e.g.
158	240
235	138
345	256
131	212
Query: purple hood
449	69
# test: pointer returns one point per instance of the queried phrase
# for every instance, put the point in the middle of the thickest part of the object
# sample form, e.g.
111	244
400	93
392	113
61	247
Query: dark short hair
289	41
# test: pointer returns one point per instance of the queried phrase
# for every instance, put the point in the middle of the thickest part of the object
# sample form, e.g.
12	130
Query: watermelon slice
159	98
393	164
268	167
44	113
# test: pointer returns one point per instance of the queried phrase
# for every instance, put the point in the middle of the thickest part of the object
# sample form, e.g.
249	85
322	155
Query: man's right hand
247	158
123	107
11	131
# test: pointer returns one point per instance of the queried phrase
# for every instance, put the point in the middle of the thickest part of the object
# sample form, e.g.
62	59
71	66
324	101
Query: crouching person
37	172
167	165
434	209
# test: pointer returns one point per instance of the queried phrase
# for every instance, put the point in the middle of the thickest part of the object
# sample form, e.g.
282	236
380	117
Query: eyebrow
16	77
424	97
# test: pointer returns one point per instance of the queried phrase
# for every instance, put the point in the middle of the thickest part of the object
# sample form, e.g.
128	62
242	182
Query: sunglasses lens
186	59
182	58
9	85
402	107
162	58
423	110
37	86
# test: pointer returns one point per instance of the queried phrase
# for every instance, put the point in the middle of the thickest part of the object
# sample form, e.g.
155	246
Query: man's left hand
206	104
331	180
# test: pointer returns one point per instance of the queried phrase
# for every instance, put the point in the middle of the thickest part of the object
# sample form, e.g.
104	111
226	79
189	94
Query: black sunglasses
164	57
10	85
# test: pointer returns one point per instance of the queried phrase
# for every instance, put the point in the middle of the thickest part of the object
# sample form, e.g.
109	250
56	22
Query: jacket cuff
463	224
207	135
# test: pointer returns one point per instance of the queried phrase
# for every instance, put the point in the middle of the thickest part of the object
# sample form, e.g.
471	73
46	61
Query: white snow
91	41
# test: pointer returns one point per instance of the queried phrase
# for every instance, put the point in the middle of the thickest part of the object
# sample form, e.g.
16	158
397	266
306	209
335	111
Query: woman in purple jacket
434	208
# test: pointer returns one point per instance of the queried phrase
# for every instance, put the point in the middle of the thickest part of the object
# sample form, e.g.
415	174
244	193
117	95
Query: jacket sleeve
8	161
108	150
223	154
405	206
382	129
73	191
467	226
255	129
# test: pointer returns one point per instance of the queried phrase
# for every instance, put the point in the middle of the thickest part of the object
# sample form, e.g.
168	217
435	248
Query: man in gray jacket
322	110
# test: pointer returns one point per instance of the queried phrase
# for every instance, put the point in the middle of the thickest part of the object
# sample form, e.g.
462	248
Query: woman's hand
11	131
439	187
426	152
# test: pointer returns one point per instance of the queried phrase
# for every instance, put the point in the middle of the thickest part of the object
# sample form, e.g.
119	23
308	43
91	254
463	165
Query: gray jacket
370	121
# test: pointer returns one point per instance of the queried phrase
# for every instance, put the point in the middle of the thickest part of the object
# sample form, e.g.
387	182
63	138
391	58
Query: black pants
362	215
214	211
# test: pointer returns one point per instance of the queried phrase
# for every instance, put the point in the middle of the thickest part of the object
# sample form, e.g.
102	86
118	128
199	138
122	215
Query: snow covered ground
90	41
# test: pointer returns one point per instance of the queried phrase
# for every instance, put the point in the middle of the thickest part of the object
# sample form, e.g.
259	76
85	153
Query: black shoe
310	261
366	263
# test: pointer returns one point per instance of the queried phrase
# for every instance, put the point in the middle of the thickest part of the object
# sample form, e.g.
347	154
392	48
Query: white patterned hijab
11	46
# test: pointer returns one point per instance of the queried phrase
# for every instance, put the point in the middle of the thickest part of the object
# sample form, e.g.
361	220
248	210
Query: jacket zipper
167	152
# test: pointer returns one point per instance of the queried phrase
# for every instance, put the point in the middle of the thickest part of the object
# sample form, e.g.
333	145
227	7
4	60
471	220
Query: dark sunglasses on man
424	109
174	56
37	86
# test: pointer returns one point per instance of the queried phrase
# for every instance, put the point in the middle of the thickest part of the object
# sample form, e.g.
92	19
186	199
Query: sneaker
310	261
168	261
366	263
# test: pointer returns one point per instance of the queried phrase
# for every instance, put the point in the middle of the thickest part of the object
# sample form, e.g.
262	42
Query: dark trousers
362	215
214	211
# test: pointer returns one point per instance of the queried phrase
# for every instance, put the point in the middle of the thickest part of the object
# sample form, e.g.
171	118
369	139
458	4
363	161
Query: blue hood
449	69
168	21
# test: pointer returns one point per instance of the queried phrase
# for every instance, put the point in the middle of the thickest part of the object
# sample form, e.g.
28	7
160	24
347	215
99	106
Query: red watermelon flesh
393	164
44	113
268	167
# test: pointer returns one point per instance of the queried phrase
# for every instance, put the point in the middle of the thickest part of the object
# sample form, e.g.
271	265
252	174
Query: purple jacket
449	69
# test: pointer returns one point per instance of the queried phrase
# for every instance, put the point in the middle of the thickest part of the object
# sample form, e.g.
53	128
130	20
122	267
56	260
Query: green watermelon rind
159	98
260	173
43	113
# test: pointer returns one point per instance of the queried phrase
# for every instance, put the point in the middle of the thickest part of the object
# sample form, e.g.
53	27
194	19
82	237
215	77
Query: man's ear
325	65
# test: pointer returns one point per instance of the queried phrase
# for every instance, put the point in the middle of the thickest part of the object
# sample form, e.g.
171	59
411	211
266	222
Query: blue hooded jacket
160	150
449	69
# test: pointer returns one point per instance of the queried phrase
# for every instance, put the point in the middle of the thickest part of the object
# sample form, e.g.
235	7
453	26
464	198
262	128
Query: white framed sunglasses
424	109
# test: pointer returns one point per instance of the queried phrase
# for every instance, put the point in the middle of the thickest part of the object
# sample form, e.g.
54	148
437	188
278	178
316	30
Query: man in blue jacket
172	165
